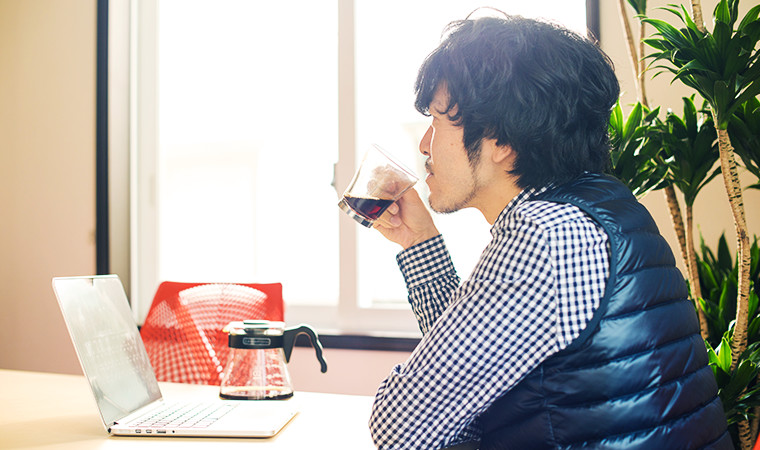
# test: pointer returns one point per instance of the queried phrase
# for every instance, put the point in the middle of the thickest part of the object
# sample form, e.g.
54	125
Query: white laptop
117	367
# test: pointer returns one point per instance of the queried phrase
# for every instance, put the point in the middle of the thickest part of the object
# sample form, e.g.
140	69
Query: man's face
452	178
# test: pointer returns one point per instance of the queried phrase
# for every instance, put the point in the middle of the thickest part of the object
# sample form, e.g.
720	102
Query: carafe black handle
289	339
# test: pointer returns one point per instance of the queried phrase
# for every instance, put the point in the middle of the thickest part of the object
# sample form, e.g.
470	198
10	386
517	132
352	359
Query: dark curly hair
543	90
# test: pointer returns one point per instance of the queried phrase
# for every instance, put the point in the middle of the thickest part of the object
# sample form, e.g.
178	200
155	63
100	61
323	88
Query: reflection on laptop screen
108	344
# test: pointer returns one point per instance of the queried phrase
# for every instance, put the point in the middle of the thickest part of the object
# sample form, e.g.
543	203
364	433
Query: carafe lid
255	327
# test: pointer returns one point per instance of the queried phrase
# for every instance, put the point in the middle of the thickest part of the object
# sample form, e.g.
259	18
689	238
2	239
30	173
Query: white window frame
134	235
348	317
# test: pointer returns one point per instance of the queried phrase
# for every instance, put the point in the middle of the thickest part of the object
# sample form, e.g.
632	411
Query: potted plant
684	152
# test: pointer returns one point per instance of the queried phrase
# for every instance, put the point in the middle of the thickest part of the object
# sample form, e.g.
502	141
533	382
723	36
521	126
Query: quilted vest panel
637	376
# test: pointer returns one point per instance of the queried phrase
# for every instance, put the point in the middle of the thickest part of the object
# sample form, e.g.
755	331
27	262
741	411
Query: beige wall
47	188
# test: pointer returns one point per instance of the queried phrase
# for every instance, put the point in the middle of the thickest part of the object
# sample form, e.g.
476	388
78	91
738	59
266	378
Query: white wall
47	187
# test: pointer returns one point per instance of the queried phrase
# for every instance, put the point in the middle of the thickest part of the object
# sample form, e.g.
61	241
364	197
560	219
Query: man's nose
425	142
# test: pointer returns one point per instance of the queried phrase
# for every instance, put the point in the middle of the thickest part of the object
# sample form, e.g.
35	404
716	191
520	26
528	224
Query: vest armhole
611	279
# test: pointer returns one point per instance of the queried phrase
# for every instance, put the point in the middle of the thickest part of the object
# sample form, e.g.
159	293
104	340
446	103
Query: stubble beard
458	204
473	189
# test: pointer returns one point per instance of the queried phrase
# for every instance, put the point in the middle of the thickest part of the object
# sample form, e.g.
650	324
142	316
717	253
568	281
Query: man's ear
503	155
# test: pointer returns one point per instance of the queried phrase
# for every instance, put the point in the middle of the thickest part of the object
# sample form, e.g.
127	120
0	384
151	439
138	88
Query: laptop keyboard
194	415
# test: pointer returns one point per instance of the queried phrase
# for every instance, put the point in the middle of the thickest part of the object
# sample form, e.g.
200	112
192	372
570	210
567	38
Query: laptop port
161	431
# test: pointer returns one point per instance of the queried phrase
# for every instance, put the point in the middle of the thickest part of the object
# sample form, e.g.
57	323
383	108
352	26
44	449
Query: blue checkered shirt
534	289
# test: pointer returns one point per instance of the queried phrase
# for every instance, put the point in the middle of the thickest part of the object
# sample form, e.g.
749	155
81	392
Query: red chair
183	330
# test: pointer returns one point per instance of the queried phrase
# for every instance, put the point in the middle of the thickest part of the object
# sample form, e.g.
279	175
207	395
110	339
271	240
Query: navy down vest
637	376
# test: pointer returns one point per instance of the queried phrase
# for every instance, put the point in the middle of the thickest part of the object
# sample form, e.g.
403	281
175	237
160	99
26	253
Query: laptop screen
108	344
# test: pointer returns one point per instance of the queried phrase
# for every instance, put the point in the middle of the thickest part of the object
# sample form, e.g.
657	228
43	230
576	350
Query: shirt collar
523	196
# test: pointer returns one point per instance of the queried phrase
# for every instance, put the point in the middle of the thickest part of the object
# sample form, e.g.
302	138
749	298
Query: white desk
53	411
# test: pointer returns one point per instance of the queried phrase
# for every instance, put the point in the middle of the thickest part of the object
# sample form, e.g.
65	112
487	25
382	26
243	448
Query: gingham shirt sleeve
430	279
521	305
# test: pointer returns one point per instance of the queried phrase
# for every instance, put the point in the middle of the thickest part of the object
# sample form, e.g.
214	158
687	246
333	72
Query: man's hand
407	222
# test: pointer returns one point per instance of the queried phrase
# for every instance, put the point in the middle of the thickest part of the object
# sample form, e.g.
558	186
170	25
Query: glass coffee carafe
259	352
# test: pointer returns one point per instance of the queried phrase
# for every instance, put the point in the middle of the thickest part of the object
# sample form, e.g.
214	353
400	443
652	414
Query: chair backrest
183	330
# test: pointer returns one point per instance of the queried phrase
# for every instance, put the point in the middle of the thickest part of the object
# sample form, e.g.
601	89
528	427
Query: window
247	120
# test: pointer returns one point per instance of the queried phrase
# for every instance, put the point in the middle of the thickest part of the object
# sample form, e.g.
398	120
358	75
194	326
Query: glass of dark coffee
379	181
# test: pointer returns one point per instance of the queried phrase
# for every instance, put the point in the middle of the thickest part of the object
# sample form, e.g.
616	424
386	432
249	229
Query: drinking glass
379	181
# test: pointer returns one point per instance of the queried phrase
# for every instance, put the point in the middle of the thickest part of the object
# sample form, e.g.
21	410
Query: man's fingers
390	218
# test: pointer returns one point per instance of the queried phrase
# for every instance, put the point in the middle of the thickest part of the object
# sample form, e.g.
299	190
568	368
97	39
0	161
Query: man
574	329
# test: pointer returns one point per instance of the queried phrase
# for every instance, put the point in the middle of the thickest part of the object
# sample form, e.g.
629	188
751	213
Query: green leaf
724	297
686	17
750	17
652	115
745	372
722	13
669	33
752	303
640	6
724	354
749	93
752	353
634	120
725	261
722	96
712	357
655	43
722	35
712	360
698	66
753	327
690	114
708	255
707	276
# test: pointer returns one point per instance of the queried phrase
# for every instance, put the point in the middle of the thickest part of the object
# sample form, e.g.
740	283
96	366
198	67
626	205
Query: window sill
359	342
362	342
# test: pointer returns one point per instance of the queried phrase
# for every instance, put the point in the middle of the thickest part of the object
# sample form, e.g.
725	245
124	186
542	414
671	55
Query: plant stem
696	14
735	199
685	236
638	66
745	435
631	48
677	218
755	422
691	260
642	66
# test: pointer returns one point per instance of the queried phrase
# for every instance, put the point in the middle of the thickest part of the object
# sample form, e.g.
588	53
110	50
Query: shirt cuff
425	262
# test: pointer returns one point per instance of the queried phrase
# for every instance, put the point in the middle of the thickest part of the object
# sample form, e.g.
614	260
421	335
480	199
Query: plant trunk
678	227
735	199
638	65
696	14
642	67
631	48
745	435
755	422
734	191
691	260
684	236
